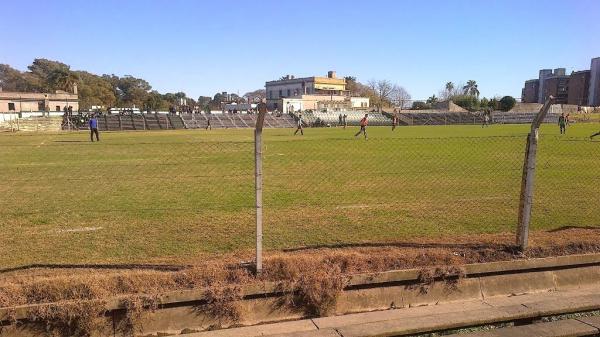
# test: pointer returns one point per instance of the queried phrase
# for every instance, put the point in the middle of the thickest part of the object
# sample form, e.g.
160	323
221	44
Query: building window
270	94
58	108
11	106
289	93
280	93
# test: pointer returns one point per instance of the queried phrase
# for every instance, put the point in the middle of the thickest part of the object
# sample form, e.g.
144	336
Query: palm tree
471	88
449	88
432	100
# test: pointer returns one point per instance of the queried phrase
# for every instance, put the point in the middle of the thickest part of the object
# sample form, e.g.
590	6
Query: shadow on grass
565	228
158	267
494	246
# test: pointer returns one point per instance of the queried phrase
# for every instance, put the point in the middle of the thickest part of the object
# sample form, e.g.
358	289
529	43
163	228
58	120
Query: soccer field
180	196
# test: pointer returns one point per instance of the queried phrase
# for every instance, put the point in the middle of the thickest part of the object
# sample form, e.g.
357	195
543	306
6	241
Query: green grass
176	196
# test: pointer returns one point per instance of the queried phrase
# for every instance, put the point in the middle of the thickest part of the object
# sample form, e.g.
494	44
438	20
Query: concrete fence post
258	185
527	180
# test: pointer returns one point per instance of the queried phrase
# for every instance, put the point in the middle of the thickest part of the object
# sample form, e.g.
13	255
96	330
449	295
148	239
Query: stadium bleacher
521	117
440	118
353	118
157	121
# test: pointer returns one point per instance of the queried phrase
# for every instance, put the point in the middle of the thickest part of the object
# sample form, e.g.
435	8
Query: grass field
180	196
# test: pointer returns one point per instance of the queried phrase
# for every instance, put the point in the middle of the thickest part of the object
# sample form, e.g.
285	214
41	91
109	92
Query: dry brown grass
72	302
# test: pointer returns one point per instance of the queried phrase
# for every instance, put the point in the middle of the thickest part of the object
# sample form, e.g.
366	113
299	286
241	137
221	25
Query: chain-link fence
139	199
348	191
123	200
567	183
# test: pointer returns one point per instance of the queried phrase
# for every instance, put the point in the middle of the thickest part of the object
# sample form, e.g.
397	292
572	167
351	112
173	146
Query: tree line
467	97
105	90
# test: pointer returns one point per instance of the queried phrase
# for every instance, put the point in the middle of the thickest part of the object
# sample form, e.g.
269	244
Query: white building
312	93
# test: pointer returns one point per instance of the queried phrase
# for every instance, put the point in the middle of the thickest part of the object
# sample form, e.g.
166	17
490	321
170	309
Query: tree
420	106
400	96
471	88
203	101
432	100
468	102
256	95
383	90
94	90
352	85
484	103
493	104
63	79
449	87
132	91
155	102
506	103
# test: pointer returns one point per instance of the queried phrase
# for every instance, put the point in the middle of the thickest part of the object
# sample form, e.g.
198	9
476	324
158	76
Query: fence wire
567	183
72	202
354	191
75	202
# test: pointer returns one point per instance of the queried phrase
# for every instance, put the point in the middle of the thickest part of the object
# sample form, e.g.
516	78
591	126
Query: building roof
316	79
14	95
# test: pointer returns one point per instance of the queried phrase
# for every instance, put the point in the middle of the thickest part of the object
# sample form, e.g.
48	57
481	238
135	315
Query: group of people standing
342	122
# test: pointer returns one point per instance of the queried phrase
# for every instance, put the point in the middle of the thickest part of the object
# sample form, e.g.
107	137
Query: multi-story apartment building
579	86
529	93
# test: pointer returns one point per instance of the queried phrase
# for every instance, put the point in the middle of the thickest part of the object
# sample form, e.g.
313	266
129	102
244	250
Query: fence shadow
494	246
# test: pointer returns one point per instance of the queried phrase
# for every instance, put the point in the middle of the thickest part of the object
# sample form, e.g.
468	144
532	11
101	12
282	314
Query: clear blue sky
203	47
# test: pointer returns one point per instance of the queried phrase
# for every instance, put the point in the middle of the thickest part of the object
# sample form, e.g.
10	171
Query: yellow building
308	93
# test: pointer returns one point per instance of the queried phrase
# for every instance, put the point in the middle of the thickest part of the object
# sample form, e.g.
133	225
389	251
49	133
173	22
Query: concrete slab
566	305
260	330
416	325
592	321
566	328
317	333
386	315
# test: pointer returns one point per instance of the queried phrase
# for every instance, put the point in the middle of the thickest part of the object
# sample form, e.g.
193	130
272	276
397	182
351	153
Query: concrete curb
376	291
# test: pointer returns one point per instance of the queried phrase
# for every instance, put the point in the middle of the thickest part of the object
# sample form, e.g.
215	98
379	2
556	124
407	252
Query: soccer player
94	128
486	119
344	121
363	126
208	126
299	128
394	121
562	123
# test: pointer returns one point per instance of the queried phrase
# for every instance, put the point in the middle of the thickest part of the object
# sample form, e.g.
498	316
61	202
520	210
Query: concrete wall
359	102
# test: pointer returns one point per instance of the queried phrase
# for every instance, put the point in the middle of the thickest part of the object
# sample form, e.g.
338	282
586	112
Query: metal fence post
262	110
527	180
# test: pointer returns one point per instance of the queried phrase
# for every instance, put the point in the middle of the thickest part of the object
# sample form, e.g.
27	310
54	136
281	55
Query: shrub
506	103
